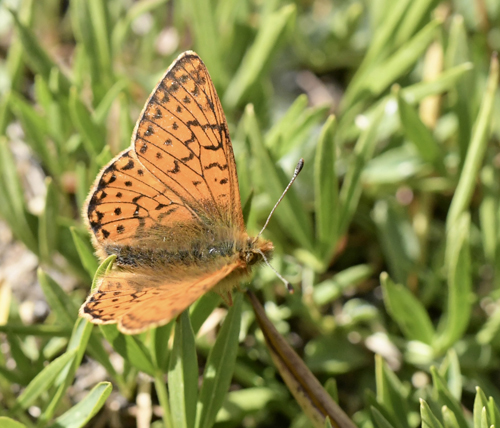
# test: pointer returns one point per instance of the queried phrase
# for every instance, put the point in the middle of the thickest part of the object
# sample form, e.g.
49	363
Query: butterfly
169	209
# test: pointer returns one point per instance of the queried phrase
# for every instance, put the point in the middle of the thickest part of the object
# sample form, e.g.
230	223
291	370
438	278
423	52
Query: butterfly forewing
183	140
128	200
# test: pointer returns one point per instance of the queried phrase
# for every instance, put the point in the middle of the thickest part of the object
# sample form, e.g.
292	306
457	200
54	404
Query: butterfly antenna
298	168
287	284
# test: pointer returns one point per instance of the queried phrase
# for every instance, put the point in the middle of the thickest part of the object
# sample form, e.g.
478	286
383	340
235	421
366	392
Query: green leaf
326	191
207	39
477	149
270	32
100	113
36	129
12	205
6	422
493	411
488	211
429	420
450	369
459	304
202	308
378	418
397	237
332	288
134	11
58	300
480	404
160	337
450	418
130	348
80	414
385	73
91	132
85	251
48	228
42	381
351	188
415	130
35	55
407	311
444	398
91	27
98	18
447	80
283	126
183	374
390	393
291	213
78	342
219	369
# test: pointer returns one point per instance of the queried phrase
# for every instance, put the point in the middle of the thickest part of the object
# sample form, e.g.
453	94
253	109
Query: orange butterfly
169	209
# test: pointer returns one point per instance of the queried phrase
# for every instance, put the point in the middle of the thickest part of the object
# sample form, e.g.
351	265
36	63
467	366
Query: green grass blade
42	381
407	311
290	213
429	420
202	308
351	188
380	421
326	191
58	300
92	134
6	422
207	39
398	64
122	27
419	134
85	251
12	198
78	342
35	55
477	149
48	227
444	398
219	369
80	414
36	130
259	54
332	288
479	411
390	393
130	348
98	16
183	374
459	304
160	338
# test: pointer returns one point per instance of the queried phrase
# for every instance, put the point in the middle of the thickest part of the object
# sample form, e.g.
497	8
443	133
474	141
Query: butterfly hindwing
138	302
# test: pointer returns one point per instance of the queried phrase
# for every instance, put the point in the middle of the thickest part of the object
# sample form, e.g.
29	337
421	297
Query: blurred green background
390	235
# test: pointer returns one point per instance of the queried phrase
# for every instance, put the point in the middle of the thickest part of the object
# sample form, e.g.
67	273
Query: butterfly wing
183	139
127	200
140	301
181	167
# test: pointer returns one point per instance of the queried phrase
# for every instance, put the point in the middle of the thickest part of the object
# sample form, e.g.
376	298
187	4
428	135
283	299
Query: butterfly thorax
207	252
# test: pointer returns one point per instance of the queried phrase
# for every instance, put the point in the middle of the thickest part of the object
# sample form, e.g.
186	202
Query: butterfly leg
227	297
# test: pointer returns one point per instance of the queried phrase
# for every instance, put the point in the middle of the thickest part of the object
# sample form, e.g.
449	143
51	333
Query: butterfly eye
250	257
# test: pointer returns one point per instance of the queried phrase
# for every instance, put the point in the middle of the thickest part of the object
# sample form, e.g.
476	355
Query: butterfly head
256	251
